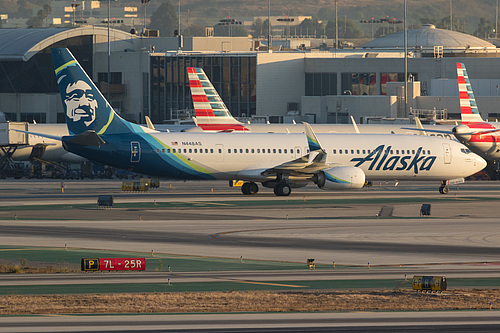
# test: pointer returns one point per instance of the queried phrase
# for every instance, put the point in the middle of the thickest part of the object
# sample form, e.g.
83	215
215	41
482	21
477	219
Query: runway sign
113	264
429	283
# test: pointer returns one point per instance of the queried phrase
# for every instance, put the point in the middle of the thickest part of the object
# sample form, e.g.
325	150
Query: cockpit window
465	150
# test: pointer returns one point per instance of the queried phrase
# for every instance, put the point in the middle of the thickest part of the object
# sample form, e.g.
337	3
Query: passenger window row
229	151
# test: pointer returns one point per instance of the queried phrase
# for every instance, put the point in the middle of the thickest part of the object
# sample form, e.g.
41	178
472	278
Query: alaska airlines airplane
279	161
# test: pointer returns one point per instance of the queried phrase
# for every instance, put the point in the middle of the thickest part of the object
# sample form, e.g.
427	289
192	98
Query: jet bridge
9	142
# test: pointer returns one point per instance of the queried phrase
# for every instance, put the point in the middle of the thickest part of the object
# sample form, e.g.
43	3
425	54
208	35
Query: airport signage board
113	264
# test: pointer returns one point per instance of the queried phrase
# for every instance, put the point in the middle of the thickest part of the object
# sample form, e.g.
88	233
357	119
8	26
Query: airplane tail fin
468	105
211	112
85	107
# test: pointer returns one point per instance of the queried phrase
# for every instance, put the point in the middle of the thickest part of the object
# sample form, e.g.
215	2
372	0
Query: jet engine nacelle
340	178
462	133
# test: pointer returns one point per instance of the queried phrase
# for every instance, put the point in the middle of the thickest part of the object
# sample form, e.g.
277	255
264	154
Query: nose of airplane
479	163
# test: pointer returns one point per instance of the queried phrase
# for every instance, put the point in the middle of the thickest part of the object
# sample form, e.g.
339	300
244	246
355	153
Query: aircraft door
298	152
447	153
135	152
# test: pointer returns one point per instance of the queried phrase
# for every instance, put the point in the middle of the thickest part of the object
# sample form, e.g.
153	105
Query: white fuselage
381	156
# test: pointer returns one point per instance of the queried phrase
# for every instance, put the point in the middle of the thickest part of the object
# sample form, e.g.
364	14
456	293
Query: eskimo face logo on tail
380	160
80	102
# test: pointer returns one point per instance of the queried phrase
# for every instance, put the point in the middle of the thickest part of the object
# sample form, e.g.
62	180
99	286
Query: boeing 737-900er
280	161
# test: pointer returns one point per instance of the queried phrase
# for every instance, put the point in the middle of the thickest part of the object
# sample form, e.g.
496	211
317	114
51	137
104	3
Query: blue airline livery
278	161
414	162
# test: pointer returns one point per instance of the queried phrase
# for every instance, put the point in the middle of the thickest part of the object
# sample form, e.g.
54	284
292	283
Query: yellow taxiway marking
269	284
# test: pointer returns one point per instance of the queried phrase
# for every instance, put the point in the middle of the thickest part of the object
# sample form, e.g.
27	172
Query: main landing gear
443	189
282	189
249	188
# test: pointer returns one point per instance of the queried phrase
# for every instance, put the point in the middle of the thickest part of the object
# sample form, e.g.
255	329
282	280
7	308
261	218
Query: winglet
149	123
420	126
312	140
356	129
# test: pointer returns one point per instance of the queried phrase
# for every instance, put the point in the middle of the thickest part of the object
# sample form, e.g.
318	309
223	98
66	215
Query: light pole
109	55
229	21
336	28
145	3
287	20
269	26
406	60
73	6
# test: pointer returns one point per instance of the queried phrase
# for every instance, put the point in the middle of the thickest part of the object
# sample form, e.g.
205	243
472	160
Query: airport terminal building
147	75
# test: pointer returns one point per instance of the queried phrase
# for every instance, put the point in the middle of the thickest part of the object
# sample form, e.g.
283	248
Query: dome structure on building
428	37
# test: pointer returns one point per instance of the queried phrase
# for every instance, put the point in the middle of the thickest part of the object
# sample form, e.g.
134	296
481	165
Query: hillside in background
208	12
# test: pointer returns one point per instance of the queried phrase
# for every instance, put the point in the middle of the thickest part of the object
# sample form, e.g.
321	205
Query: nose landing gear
443	189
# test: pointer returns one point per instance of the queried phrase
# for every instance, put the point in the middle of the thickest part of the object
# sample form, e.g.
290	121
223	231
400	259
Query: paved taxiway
464	226
210	219
443	321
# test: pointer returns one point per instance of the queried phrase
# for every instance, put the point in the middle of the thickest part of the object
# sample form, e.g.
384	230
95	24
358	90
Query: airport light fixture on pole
336	28
229	21
269	27
287	21
109	54
145	3
496	21
73	6
405	29
109	51
451	15
382	20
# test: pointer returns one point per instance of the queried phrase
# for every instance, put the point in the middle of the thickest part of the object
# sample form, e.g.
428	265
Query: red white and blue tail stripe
211	112
468	106
479	130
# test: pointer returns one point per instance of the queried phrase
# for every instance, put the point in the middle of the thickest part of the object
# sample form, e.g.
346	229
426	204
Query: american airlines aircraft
213	115
280	161
478	135
481	137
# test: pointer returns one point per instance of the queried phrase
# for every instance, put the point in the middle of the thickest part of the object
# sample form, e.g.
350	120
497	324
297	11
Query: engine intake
340	178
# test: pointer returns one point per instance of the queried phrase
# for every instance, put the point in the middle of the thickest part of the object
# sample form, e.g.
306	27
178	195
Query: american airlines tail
468	105
479	135
211	112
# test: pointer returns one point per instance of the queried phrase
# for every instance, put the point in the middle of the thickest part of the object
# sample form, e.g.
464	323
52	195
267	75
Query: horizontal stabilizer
43	135
427	130
87	138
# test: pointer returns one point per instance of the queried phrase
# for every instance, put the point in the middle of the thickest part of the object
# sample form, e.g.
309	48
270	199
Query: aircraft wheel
444	189
249	188
282	190
253	188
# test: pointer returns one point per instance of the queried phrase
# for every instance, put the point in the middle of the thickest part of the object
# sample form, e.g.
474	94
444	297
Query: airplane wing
313	161
87	138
